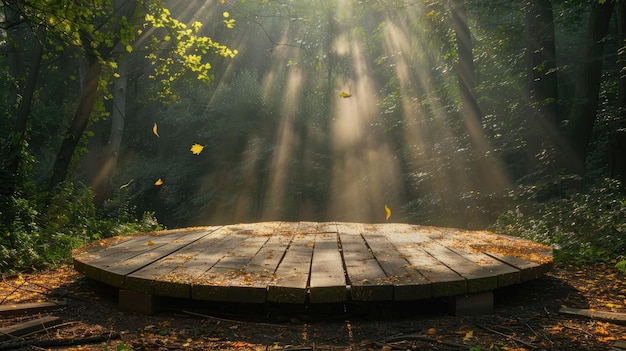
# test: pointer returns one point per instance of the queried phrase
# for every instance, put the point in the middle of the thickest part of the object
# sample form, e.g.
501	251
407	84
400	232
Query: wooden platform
309	262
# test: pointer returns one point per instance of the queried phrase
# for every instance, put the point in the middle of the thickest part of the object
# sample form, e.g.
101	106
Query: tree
542	84
491	177
617	152
97	48
584	111
94	32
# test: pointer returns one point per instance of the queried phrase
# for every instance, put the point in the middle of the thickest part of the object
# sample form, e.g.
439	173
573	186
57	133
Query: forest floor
526	317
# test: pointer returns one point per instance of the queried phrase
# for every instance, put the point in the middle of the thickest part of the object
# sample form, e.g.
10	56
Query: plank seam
343	260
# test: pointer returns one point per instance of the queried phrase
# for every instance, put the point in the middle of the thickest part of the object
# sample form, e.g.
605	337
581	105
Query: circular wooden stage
310	262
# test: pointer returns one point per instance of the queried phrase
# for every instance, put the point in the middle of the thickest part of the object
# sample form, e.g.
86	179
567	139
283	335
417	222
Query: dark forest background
505	115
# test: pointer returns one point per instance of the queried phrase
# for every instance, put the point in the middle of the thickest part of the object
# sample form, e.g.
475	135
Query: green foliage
44	232
186	50
581	227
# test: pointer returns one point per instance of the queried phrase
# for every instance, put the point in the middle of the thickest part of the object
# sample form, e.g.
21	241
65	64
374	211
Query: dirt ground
526	317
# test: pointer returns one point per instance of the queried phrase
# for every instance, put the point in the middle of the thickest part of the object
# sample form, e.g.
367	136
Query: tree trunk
101	182
583	114
465	67
490	176
89	94
617	147
79	123
541	70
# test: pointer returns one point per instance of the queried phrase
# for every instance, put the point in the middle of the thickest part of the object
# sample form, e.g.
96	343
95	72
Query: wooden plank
121	248
444	280
28	327
229	280
457	241
595	314
478	278
531	258
96	264
250	285
528	270
327	227
292	274
14	309
408	283
114	267
328	280
365	276
173	276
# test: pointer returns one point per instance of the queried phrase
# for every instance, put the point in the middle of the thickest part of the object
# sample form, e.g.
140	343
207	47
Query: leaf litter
526	317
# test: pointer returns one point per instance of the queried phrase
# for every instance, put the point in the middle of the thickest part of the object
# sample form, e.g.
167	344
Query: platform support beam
132	301
472	304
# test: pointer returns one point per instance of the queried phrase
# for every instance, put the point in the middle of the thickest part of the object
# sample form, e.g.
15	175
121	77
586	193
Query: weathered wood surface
301	262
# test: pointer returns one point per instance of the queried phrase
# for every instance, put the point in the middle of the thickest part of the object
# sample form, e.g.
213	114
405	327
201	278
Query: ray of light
365	172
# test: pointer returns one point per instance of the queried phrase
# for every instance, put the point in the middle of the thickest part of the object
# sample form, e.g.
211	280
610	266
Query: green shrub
44	233
581	227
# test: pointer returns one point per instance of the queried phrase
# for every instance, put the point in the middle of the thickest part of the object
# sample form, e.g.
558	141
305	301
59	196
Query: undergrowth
587	227
45	229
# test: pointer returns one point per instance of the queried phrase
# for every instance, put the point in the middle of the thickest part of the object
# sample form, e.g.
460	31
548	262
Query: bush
581	227
44	233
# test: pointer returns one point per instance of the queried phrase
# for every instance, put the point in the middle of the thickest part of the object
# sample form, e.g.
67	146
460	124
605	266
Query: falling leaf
159	182
154	130
387	212
125	185
344	95
196	149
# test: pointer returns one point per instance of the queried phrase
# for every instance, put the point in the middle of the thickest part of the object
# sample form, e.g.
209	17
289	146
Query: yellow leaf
155	130
127	184
150	243
344	95
387	212
469	335
159	182
196	149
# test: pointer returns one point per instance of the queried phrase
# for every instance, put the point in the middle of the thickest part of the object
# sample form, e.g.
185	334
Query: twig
419	337
506	336
537	335
15	288
59	342
56	326
229	320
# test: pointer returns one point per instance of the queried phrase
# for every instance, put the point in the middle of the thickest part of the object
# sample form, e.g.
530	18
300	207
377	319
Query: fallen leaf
159	182
387	212
469	335
196	149
154	130
431	331
150	243
344	95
